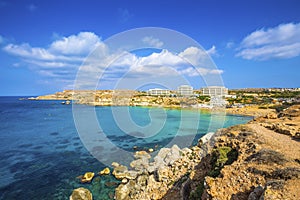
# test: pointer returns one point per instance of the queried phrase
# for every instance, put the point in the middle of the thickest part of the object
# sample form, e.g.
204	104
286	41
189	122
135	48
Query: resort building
185	90
214	91
158	92
217	101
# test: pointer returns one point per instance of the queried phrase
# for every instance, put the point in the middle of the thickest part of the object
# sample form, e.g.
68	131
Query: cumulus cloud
74	47
61	59
80	44
165	63
66	55
153	42
196	56
280	42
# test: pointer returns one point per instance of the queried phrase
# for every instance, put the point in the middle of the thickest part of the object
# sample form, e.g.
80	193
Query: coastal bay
40	144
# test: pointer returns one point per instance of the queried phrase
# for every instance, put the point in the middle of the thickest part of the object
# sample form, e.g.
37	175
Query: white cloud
63	57
282	41
26	51
212	51
163	58
166	63
229	45
196	56
80	44
74	47
153	42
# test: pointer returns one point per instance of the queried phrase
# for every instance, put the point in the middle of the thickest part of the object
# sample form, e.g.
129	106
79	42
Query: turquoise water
42	153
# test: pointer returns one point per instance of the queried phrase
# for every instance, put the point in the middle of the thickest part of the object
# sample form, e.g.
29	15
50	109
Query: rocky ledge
259	160
285	122
241	162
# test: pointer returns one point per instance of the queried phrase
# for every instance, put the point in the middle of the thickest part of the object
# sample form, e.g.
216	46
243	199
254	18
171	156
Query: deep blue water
42	152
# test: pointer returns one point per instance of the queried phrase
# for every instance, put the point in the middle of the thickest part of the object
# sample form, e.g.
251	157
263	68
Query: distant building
158	92
214	91
217	101
185	90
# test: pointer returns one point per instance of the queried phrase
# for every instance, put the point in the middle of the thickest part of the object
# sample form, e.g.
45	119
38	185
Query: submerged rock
105	171
87	177
81	194
121	172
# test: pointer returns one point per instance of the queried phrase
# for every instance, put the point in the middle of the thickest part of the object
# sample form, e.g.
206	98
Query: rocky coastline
258	160
137	98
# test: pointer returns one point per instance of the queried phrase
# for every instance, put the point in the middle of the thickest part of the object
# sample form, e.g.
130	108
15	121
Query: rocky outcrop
285	122
154	179
246	166
283	128
81	194
105	171
87	177
240	162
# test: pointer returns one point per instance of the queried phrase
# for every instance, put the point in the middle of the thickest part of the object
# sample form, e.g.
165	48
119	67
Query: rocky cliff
241	162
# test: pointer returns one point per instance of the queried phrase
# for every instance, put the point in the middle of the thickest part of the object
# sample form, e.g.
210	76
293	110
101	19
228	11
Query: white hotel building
185	90
214	91
158	92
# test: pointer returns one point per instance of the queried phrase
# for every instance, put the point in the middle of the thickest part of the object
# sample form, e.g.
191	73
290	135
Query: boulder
173	155
81	194
141	155
271	115
121	172
150	150
105	171
256	193
115	164
122	192
87	177
140	164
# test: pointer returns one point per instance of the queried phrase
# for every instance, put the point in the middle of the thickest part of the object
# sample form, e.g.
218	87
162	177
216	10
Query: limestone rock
115	164
142	161
105	171
81	194
256	194
167	156
121	172
87	177
124	180
122	192
271	115
142	154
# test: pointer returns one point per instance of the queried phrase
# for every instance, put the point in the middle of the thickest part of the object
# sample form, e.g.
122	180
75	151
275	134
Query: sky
44	45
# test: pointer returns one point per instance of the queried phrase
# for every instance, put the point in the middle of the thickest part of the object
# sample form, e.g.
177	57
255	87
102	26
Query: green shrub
220	157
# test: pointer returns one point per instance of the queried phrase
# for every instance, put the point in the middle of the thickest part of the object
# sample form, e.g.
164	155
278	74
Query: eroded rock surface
240	162
81	194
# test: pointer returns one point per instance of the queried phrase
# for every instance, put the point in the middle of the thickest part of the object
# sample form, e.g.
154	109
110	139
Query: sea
45	145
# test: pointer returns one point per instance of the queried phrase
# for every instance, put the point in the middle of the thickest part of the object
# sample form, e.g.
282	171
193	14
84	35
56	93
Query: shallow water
42	153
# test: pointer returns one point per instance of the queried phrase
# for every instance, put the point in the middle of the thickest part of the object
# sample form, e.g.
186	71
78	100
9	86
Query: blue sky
43	43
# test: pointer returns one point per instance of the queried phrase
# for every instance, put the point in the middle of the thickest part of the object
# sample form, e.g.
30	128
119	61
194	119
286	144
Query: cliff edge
252	161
